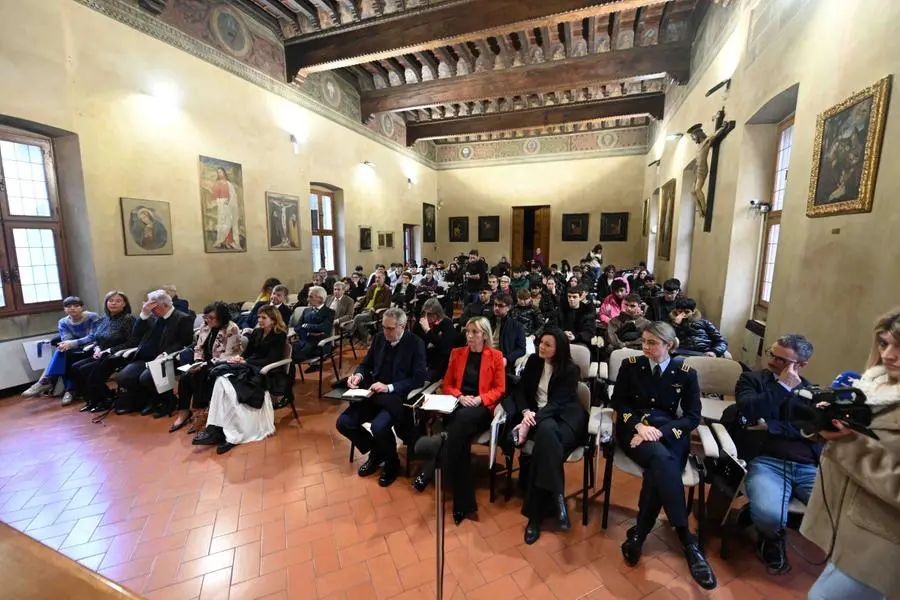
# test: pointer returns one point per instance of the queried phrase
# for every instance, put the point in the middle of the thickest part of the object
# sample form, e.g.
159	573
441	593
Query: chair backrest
247	306
296	316
581	356
584	396
288	354
715	375
292	299
617	358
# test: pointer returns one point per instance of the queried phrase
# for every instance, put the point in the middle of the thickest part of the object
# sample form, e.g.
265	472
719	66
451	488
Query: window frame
9	265
323	233
772	218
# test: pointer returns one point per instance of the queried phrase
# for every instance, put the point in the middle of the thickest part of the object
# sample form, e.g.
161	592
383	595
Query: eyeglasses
500	306
771	354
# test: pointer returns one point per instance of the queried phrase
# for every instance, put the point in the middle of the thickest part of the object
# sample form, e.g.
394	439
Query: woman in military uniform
649	391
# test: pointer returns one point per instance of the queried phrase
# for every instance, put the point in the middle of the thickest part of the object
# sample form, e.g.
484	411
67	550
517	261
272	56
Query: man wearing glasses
782	462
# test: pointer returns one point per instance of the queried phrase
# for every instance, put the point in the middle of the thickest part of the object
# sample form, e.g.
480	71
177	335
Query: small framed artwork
385	239
428	223
459	229
365	238
575	227
666	217
614	227
283	220
645	218
147	227
846	153
489	229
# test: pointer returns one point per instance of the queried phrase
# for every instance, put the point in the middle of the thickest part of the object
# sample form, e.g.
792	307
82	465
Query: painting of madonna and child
222	202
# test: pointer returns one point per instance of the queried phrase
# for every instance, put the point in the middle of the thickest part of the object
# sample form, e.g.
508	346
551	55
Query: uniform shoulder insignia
625	417
677	433
632	359
686	367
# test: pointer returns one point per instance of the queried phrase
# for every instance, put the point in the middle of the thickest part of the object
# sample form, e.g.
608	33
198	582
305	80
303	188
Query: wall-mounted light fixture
369	164
675	136
295	144
655	163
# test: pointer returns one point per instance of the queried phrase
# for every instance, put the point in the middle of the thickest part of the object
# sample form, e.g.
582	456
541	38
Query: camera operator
782	462
854	513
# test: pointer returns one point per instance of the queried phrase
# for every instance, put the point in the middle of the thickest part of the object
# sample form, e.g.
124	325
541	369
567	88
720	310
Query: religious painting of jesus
283	217
222	206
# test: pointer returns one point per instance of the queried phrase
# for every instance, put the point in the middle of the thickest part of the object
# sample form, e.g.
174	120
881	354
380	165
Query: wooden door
518	235
542	232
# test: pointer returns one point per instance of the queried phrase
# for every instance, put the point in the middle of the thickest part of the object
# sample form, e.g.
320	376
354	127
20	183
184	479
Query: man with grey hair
340	303
161	330
315	325
782	462
393	367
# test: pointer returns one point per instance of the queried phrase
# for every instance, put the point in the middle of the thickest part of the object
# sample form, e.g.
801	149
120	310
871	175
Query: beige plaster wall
69	67
833	275
609	184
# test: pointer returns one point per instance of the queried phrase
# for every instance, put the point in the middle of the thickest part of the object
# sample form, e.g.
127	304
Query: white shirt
543	384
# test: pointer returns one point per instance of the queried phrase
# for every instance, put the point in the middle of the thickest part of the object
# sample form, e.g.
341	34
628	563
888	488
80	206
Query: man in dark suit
315	325
161	330
393	367
509	335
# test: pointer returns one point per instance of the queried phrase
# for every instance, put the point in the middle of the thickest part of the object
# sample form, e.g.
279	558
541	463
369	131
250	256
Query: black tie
657	372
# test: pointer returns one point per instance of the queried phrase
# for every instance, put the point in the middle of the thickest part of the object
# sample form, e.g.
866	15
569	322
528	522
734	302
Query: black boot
532	531
211	436
773	553
631	547
699	566
564	524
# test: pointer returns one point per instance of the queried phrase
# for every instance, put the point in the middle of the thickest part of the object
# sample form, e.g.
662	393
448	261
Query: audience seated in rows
660	308
612	303
341	303
508	334
649	290
696	335
604	284
546	296
526	314
404	292
439	336
520	280
624	330
377	297
482	307
315	325
576	318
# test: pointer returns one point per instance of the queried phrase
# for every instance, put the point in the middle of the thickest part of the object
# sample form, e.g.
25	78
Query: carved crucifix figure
704	145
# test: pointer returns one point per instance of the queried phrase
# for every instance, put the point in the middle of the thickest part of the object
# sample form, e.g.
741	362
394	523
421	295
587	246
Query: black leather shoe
123	411
147	410
699	566
564	524
773	553
532	531
313	368
631	547
389	475
421	482
371	466
86	408
224	447
211	436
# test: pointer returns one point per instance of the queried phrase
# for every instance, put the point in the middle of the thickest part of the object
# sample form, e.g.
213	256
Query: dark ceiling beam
329	8
310	12
409	63
428	63
640	104
674	59
442	25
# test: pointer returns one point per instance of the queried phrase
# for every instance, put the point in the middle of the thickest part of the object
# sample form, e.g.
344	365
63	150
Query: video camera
817	407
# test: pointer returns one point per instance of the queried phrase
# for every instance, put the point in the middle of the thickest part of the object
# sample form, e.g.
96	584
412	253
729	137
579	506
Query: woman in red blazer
476	375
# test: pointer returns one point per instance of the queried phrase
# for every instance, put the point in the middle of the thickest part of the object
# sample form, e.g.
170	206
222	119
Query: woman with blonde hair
854	512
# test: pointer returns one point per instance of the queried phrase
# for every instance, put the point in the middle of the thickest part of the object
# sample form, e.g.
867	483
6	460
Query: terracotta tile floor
289	518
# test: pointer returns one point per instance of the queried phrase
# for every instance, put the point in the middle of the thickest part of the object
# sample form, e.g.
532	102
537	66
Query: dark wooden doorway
409	243
530	230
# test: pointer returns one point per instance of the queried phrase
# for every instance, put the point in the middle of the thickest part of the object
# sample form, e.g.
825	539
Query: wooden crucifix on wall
705	167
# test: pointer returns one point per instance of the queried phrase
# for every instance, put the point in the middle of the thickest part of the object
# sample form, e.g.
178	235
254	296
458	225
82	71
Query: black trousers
79	372
136	378
95	373
462	427
383	411
194	391
554	440
662	487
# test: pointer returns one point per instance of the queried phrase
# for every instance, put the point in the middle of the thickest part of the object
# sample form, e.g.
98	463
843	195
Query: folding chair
284	363
326	351
717	378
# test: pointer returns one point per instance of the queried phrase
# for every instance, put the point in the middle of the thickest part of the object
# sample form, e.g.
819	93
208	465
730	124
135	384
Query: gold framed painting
666	218
846	153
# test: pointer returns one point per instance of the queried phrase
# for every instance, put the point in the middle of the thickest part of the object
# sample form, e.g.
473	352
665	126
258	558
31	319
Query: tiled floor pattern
289	518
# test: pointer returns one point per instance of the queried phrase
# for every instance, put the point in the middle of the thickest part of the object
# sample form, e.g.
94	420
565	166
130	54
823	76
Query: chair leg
300	369
341	349
591	472
607	488
690	501
584	486
701	512
509	471
334	367
491	480
352	450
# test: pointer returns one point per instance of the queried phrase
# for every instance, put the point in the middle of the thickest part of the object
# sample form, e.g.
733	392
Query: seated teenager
696	335
219	340
493	285
393	367
624	330
612	303
650	391
549	301
501	268
239	409
649	290
508	334
111	333
482	307
476	376
548	412
439	336
660	308
357	287
315	325
74	333
427	284
340	303
160	330
636	279
378	296
526	314
520	280
576	318
404	292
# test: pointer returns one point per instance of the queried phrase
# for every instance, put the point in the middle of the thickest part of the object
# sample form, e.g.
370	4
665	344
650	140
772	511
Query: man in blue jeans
782	463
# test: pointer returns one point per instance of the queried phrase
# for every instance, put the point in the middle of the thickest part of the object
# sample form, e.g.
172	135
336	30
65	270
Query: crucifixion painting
705	169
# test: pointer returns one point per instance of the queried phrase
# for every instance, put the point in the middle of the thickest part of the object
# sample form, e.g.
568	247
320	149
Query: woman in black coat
549	413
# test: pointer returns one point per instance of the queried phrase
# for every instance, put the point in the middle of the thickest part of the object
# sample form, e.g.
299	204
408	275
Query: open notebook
439	403
358	393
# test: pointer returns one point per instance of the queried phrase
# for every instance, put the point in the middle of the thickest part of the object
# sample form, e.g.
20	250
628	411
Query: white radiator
751	346
19	360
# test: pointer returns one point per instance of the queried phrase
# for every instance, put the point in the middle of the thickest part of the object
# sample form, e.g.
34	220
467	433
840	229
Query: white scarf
877	387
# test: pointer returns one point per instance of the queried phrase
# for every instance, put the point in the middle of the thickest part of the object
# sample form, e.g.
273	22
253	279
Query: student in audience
265	294
110	334
180	304
327	280
649	290
356	290
394	273
483	307
393	367
549	413
452	275
504	289
377	297
537	294
636	279
508	334
550	295
219	339
494	285
587	274
404	292
660	309
501	268
536	275
612	304
439	336
476	275
238	410
604	284
161	330
649	392
624	330
575	281
477	378
315	325
74	333
696	335
565	269
526	314
576	318
595	260
428	284
340	303
520	280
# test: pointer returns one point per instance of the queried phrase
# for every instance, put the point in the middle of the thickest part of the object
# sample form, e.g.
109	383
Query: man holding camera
781	461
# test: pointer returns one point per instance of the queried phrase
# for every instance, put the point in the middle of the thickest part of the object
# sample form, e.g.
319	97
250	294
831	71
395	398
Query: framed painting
428	228
385	239
575	227
645	218
489	229
222	205
666	217
846	153
459	229
283	220
146	226
365	238
614	227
